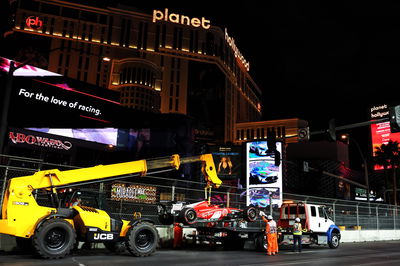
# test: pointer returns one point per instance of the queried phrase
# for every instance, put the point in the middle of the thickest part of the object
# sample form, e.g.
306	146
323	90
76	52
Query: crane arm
51	179
56	178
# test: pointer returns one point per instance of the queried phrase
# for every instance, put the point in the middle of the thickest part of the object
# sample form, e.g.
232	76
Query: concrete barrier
166	233
369	235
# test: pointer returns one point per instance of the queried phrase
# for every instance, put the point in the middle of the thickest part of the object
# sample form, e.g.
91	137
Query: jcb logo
103	236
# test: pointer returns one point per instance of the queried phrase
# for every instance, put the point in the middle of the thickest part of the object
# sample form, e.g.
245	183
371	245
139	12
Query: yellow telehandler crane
53	231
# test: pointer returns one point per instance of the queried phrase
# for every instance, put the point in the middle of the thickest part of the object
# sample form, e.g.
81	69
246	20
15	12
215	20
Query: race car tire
250	214
141	240
187	216
54	239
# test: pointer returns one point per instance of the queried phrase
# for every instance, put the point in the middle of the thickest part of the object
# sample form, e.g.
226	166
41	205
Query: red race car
202	212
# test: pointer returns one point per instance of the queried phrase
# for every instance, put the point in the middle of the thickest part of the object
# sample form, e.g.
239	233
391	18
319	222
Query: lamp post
346	138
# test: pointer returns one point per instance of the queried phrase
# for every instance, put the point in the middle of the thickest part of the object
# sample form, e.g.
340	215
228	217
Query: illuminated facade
159	62
287	129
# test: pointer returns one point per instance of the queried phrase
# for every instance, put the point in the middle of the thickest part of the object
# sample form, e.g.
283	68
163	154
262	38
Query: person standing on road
297	234
271	233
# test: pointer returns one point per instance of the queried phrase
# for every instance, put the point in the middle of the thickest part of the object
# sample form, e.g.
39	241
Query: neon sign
236	51
34	23
21	138
380	132
180	19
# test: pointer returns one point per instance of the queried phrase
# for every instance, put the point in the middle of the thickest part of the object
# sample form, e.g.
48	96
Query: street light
346	139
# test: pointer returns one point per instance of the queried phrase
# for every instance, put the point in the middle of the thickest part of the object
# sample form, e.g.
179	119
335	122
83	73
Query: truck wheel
141	240
261	243
188	216
250	214
54	239
335	241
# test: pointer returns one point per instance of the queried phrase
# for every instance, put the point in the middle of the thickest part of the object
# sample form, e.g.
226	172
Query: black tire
141	240
54	239
116	247
334	242
261	242
250	214
187	216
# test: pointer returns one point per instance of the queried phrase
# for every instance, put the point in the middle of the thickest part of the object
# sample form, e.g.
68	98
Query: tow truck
233	231
51	227
318	227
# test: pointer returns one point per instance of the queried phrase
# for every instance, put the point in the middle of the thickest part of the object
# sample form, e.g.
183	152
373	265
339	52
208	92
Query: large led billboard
263	177
100	135
380	132
228	163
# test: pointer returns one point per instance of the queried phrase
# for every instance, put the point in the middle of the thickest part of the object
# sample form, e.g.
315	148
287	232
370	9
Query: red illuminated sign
380	132
21	138
34	23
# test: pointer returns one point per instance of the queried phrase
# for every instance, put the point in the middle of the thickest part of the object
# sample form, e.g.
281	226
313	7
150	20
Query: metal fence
350	214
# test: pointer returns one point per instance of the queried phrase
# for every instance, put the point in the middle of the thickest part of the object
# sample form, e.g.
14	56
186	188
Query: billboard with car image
264	177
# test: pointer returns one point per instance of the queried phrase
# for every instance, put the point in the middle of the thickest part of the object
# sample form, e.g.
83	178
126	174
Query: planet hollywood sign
34	22
35	140
236	51
167	16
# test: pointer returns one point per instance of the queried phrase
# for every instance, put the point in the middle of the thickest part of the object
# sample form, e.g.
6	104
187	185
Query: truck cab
318	227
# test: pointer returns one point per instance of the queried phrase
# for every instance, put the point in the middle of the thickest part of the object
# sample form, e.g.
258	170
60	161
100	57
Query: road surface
361	254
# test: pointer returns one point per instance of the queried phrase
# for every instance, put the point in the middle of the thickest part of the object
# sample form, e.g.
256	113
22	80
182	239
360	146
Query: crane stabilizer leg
209	171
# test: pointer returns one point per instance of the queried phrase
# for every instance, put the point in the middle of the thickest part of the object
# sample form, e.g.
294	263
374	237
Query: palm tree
389	155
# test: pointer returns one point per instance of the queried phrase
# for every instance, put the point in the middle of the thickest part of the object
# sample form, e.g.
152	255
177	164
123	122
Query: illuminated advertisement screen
263	177
100	135
380	132
228	163
26	70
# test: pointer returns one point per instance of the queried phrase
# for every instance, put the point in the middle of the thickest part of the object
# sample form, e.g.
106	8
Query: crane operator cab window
70	198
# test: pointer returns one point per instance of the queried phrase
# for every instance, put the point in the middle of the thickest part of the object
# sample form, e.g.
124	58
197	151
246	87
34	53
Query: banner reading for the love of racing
134	193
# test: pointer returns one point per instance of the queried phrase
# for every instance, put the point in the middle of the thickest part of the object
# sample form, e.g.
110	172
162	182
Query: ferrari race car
202	212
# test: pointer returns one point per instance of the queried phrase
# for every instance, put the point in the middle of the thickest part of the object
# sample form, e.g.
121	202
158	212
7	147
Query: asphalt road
362	254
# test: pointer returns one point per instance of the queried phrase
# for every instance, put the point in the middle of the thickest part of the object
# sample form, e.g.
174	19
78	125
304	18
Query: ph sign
159	15
34	23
